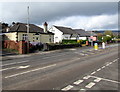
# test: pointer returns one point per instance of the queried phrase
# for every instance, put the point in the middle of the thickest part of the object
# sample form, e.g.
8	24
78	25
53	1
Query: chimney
45	27
7	29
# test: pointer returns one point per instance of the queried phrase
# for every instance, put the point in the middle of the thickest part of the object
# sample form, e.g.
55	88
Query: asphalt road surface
69	69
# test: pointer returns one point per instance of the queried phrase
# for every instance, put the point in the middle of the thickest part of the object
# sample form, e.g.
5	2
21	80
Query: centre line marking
105	79
23	67
67	88
78	82
30	71
90	85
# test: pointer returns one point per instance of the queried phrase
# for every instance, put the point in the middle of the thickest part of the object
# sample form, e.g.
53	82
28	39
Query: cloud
89	22
74	14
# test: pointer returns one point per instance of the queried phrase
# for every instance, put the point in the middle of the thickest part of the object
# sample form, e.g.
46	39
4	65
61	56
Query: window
37	38
24	37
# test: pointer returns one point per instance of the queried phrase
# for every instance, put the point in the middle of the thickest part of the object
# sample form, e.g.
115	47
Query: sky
76	15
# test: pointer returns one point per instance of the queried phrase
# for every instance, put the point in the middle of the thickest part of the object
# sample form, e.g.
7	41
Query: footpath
4	56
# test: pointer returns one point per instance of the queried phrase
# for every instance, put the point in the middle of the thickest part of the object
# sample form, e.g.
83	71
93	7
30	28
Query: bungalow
61	33
85	35
18	32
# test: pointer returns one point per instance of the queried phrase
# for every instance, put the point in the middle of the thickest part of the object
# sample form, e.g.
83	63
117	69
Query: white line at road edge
93	72
105	79
90	85
97	80
67	88
78	82
17	67
30	71
8	68
86	77
15	63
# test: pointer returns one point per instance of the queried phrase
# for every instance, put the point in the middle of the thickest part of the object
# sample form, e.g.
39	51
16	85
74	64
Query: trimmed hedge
61	46
69	41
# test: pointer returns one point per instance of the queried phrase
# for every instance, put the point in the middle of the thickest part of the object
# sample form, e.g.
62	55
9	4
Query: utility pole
28	29
91	39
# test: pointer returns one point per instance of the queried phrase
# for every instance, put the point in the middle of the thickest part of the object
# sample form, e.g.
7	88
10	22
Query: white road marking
110	63
99	69
31	71
86	77
82	54
103	67
97	80
107	64
67	88
86	54
7	68
93	73
15	63
72	49
82	89
106	79
78	82
23	67
92	53
54	56
116	60
90	85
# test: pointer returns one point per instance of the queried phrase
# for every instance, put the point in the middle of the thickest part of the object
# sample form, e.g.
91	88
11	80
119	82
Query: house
85	35
18	32
61	33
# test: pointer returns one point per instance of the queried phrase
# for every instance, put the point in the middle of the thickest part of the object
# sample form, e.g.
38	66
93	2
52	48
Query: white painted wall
82	38
66	36
58	35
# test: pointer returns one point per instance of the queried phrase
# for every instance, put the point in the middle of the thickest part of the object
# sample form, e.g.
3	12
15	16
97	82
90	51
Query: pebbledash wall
43	38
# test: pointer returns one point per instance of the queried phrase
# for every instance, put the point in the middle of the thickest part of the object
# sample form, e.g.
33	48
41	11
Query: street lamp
28	30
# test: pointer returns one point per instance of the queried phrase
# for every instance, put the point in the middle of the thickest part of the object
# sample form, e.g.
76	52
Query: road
69	69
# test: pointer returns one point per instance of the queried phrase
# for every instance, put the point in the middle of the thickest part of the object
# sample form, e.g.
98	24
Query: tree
99	36
109	33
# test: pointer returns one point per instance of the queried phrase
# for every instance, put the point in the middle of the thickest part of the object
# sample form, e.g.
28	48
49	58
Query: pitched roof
65	30
22	27
82	32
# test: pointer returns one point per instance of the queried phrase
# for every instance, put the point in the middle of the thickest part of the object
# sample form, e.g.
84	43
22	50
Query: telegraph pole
91	39
28	29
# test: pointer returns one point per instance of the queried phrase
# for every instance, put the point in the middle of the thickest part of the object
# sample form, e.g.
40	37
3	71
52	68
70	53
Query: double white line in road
31	71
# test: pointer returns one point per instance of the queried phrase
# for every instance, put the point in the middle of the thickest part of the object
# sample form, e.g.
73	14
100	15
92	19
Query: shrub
69	41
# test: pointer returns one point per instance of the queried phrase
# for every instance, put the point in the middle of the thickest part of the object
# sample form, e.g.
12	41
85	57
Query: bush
69	41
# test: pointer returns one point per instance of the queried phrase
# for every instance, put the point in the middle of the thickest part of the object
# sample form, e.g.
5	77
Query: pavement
75	69
9	56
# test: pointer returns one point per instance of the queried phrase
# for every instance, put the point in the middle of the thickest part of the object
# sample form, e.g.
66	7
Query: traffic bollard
96	46
103	45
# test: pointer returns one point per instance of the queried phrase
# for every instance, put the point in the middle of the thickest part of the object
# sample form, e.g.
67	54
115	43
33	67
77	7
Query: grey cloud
49	11
55	11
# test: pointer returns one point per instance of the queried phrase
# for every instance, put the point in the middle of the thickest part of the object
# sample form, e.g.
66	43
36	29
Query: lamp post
28	29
